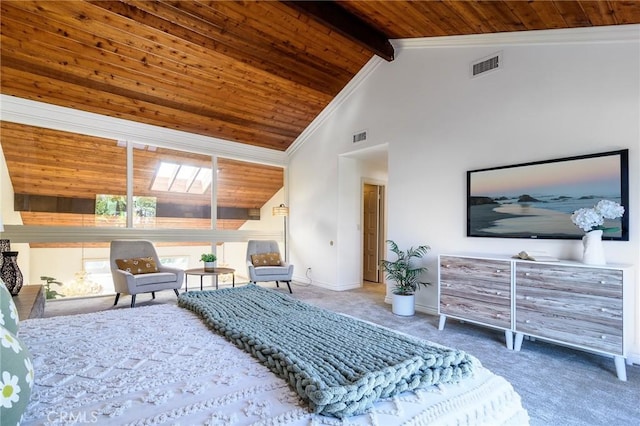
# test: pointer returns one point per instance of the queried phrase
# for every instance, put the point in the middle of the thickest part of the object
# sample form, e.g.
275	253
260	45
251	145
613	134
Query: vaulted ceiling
254	72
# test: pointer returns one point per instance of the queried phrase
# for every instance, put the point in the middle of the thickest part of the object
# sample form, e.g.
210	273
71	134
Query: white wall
552	99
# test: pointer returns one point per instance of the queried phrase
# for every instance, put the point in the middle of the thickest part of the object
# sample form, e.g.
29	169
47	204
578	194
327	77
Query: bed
162	364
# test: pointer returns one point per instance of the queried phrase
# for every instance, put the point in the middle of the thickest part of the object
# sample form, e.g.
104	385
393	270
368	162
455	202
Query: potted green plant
209	260
405	276
51	294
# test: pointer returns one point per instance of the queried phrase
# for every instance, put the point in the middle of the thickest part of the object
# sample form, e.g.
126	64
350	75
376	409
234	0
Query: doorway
373	231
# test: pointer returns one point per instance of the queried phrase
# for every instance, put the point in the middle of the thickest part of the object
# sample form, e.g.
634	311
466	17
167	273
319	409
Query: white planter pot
403	305
209	266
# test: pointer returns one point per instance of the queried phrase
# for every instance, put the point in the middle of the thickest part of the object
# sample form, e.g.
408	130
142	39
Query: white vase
209	266
403	305
593	253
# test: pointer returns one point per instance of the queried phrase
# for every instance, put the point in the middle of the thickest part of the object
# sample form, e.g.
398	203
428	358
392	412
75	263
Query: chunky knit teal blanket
337	364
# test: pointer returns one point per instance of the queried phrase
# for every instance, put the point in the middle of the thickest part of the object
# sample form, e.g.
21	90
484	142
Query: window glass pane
247	192
164	176
171	189
202	181
56	176
83	269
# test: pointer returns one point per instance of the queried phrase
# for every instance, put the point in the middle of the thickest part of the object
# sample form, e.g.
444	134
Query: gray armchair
281	272
128	283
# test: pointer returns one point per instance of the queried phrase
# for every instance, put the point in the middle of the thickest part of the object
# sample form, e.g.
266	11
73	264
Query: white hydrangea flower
587	219
593	218
609	209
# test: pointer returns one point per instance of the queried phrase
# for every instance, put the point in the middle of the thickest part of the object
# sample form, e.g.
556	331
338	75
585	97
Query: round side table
215	272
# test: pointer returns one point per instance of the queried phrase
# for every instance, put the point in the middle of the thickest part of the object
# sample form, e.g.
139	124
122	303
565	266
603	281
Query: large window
83	269
68	179
245	192
56	176
61	179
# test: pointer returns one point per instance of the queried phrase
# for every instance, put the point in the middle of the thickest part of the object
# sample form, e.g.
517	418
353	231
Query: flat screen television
536	200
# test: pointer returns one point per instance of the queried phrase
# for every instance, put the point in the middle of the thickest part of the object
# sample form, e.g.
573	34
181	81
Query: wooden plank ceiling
252	72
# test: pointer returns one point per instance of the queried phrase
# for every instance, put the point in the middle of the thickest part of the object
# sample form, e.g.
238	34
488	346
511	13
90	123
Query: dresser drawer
494	314
572	329
480	291
480	279
605	310
464	270
591	281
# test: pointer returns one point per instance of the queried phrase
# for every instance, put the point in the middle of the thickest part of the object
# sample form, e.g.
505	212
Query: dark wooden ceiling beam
340	20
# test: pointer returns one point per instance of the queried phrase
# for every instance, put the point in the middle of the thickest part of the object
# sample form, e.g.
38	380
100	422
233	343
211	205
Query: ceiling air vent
486	65
360	137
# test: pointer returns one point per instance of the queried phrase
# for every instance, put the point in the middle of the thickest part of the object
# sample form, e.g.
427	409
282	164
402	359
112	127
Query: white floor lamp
283	211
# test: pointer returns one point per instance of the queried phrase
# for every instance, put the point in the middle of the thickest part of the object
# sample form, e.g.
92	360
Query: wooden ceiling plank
380	15
445	17
6	61
277	26
499	14
331	14
549	14
304	35
246	22
151	95
473	15
411	16
527	15
41	137
572	13
54	174
43	143
137	35
204	104
625	12
194	56
270	61
599	12
71	96
295	93
180	63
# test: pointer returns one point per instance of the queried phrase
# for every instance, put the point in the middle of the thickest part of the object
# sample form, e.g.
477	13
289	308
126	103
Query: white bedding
161	365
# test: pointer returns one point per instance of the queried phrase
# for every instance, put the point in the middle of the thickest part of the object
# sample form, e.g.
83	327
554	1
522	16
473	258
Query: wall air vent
485	65
359	137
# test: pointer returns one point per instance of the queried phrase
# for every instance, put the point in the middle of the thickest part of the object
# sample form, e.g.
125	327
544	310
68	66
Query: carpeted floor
558	385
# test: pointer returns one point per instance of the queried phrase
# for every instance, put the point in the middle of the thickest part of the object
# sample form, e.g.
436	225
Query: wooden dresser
569	303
